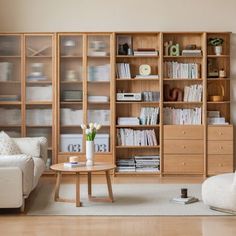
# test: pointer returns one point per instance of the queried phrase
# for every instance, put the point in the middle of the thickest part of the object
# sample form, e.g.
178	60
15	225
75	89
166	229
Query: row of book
149	115
151	96
193	93
123	70
5	70
173	116
131	137
99	73
149	163
177	70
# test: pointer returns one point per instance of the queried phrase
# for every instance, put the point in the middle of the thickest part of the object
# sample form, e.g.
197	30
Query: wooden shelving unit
71	61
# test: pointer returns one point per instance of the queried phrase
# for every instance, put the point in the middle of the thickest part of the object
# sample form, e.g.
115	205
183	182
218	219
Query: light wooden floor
12	223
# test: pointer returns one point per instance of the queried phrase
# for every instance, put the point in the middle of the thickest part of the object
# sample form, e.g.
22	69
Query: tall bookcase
50	83
85	88
27	82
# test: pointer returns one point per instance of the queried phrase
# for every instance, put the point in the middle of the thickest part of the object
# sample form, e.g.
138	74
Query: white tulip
95	125
98	127
91	125
83	126
87	131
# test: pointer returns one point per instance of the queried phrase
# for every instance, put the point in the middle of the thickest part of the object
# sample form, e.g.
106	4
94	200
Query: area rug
130	200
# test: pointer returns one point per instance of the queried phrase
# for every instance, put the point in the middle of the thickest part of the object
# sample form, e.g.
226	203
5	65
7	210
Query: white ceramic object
218	50
89	153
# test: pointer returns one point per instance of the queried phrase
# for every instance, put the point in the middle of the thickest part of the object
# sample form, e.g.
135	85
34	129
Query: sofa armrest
23	162
11	194
43	145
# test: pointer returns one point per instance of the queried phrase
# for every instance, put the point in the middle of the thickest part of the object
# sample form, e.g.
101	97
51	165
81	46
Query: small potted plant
90	132
217	44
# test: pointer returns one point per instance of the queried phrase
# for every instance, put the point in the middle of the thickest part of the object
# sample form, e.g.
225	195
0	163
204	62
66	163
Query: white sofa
19	174
219	192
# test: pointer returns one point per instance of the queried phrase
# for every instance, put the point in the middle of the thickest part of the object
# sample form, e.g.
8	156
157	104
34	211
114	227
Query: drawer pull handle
221	148
183	132
184	147
183	163
220	165
220	133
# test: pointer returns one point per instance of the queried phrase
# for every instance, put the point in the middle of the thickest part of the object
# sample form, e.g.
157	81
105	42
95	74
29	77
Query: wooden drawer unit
183	132
220	164
220	147
183	164
220	133
183	146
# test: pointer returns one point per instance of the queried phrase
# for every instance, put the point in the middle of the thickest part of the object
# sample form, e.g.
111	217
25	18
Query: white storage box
102	143
101	116
10	116
39	117
71	142
71	116
39	93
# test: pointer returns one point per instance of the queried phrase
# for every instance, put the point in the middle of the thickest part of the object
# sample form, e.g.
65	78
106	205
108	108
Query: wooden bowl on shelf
215	92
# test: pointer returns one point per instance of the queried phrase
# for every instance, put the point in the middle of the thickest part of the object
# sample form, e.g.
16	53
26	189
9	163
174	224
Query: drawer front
220	147
185	164
219	164
183	146
183	132
220	133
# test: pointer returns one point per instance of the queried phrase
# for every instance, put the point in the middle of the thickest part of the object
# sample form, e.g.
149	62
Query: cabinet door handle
220	165
184	147
220	133
183	132
183	163
221	147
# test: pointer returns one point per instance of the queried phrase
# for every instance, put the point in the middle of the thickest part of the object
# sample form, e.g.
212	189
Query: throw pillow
29	146
7	145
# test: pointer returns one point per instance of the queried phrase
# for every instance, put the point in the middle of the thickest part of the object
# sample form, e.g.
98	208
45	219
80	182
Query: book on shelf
146	52
72	164
147	77
151	96
128	121
191	116
92	98
193	93
184	201
192	52
176	70
131	137
149	115
214	118
123	70
98	54
99	72
5	71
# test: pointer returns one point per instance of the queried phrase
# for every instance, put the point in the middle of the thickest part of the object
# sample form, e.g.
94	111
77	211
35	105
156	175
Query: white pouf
219	192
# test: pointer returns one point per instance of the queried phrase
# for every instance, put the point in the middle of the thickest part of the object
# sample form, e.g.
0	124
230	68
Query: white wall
123	15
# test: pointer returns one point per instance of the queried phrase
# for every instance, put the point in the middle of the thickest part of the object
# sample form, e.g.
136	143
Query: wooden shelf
179	79
10	103
38	126
215	56
222	102
39	103
71	82
42	57
99	82
133	102
39	82
98	57
71	103
126	56
10	82
71	57
185	57
10	126
138	147
218	79
181	102
137	126
137	173
137	79
8	56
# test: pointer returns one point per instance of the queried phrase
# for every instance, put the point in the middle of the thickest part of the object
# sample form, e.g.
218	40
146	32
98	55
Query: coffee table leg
109	186
78	204
57	188
89	184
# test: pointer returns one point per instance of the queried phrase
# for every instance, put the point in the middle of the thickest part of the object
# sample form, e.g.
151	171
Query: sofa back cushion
29	146
8	145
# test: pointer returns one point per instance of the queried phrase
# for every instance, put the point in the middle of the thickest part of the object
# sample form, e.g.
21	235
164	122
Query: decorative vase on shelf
218	50
89	153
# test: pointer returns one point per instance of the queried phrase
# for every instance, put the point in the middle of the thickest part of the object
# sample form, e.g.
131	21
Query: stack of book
5	71
214	118
147	163
146	52
125	165
92	98
130	137
72	164
151	96
192	116
177	70
193	93
128	121
184	201
123	70
146	76
192	52
149	115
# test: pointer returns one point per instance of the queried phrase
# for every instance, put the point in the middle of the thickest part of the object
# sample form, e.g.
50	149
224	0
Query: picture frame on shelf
124	44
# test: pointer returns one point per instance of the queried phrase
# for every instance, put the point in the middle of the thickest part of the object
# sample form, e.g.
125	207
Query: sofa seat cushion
219	192
8	145
39	167
26	164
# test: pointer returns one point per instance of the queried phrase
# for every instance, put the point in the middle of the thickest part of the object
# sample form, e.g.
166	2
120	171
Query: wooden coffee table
98	167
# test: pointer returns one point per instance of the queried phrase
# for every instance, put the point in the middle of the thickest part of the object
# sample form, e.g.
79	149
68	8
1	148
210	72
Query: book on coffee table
184	201
72	164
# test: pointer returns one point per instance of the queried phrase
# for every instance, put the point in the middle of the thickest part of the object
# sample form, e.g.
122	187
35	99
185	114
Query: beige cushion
29	146
8	145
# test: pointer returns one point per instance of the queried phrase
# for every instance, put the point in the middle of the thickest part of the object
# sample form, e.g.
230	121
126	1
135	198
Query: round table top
83	168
